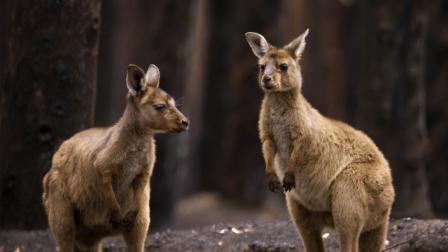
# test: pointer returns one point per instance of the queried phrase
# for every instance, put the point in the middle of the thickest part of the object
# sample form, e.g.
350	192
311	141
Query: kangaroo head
279	68
154	110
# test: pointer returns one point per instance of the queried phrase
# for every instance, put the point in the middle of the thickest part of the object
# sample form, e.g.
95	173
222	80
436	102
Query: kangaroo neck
292	103
128	132
289	99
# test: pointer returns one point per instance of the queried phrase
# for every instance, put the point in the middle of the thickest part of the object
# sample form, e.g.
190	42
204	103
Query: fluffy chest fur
282	131
133	163
320	157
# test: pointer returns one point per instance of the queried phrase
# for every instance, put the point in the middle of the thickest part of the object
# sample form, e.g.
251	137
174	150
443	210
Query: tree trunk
391	95
6	7
323	64
169	48
48	96
231	150
437	105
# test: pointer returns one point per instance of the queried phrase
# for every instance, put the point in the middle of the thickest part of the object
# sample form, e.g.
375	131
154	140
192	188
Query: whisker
179	102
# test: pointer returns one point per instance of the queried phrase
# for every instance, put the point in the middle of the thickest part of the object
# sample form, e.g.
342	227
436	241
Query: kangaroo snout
181	125
268	82
185	122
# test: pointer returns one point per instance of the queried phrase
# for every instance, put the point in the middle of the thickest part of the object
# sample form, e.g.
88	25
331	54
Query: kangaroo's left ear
258	43
152	76
135	80
298	45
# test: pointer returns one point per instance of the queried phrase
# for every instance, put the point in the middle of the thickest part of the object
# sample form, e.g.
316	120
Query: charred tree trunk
323	64
231	150
437	105
48	96
192	104
391	95
169	49
6	7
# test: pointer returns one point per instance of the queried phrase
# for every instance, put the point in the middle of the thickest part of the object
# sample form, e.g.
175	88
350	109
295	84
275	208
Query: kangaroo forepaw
273	182
289	181
115	219
274	185
129	220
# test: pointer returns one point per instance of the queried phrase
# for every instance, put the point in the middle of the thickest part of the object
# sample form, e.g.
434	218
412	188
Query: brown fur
98	184
333	175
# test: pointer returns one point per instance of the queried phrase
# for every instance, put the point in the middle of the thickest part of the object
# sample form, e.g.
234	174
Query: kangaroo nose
267	80
184	122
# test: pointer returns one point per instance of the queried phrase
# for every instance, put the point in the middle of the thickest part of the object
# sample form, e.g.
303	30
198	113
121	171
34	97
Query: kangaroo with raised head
98	184
333	175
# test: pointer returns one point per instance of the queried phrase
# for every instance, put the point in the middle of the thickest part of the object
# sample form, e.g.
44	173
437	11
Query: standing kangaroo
98	184
333	175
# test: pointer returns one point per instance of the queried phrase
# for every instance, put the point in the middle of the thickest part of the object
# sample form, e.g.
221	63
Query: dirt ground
268	229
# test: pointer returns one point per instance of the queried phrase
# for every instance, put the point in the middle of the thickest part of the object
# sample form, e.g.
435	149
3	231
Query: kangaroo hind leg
61	220
308	223
373	240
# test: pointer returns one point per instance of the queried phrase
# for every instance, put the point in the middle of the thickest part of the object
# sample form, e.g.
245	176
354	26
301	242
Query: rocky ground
279	236
269	230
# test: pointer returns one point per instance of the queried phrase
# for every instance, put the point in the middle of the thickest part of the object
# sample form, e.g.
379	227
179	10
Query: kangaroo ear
298	45
152	76
135	80
258	43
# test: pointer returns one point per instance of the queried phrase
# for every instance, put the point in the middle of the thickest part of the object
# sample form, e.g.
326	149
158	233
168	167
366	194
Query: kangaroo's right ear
135	80
258	43
298	45
152	76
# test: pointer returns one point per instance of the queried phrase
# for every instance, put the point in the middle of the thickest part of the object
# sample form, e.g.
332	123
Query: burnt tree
437	105
231	159
48	95
324	62
391	95
6	7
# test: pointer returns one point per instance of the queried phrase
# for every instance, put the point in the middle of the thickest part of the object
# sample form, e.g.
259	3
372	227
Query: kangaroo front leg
139	184
135	238
289	180
115	217
268	154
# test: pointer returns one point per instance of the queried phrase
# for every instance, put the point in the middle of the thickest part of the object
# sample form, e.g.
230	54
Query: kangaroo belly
94	210
312	188
90	201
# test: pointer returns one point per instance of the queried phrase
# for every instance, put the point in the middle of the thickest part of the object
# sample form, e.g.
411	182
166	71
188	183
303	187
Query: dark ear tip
251	34
131	66
135	69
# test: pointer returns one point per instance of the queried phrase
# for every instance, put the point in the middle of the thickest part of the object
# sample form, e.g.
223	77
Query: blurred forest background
381	66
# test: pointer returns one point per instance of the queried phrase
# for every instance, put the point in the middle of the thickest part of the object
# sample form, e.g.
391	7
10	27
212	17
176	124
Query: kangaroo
98	184
333	175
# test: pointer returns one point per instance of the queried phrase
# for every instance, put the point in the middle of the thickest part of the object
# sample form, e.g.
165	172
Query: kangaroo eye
159	106
284	67
262	67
